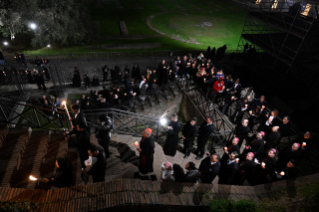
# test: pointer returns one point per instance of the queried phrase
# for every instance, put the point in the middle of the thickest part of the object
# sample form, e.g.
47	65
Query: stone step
31	160
11	153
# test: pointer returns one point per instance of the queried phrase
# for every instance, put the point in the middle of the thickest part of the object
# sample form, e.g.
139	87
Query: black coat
246	171
256	145
79	119
230	148
204	131
62	178
272	140
287	154
98	169
309	143
172	138
228	172
191	176
284	130
208	172
103	138
241	132
190	132
261	173
83	140
147	146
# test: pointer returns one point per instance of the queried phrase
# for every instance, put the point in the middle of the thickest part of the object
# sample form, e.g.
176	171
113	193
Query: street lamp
5	43
33	26
163	121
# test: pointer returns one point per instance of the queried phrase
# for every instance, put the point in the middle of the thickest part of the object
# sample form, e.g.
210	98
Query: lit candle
124	94
33	178
246	105
282	173
136	143
225	148
67	111
154	80
263	164
204	79
304	144
237	159
250	112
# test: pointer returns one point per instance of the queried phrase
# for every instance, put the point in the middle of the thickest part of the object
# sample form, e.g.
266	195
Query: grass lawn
227	20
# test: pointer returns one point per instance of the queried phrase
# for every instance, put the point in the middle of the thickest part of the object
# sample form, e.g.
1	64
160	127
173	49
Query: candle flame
263	164
32	178
282	173
136	143
64	102
304	144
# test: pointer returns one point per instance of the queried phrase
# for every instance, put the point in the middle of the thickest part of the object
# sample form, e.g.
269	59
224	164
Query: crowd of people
261	160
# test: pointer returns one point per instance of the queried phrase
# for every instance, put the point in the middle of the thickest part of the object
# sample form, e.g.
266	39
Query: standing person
83	142
228	170
22	59
147	146
105	71
189	133
289	153
2	61
246	170
203	135
96	164
103	133
78	117
230	148
209	168
266	166
40	82
63	174
172	136
241	131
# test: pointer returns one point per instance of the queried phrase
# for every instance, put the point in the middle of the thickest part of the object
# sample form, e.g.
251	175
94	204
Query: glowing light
33	26
282	173
304	144
64	102
33	178
48	45
136	143
163	121
6	43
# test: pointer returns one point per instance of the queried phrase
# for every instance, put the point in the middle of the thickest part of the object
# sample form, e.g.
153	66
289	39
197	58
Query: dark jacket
272	140
191	176
227	172
83	140
62	178
79	119
208	171
287	154
190	132
147	146
98	169
172	138
204	131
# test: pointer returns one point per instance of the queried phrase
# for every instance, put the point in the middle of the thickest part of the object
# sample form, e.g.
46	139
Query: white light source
48	45
5	43
163	121
33	26
64	102
33	178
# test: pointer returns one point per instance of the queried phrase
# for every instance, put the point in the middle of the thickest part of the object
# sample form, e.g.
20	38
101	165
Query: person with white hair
167	171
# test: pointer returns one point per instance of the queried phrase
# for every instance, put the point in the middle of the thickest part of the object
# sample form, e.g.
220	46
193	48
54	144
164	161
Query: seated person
178	173
167	171
63	174
192	174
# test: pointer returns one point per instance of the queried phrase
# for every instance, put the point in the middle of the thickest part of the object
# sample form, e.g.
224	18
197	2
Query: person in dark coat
209	168
146	149
179	174
189	133
284	127
103	133
83	142
305	141
98	165
287	154
83	101
192	173
228	170
63	174
136	73
105	71
46	73
172	136
241	131
95	81
246	170
76	78
272	139
271	120
86	81
257	145
203	135
229	148
266	166
289	172
241	107
229	99
78	117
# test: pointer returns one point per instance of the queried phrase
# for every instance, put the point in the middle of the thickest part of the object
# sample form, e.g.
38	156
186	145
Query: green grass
227	22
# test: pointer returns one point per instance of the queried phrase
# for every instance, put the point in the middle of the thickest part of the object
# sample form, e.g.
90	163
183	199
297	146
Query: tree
60	22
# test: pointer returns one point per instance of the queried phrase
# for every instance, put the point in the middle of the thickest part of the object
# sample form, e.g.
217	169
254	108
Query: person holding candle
289	172
228	170
246	170
97	164
241	131
229	148
266	166
83	143
63	175
172	136
78	117
306	142
241	107
256	145
146	149
272	138
287	154
189	133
